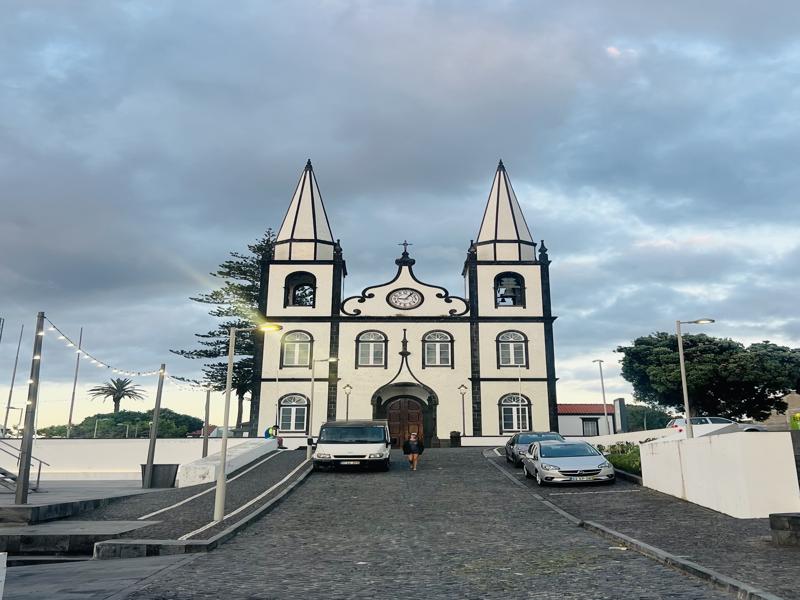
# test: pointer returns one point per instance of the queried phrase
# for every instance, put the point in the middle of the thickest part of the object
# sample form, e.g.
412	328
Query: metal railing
16	454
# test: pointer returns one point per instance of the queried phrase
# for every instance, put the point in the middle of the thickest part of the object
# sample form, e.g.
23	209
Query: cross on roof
405	244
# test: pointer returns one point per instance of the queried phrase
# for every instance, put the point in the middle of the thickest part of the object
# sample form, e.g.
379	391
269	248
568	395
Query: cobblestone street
457	528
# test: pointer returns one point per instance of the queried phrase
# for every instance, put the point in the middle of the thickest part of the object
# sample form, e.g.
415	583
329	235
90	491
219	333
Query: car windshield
566	450
352	435
537	437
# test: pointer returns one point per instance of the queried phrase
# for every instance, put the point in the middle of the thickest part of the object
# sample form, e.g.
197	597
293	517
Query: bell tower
511	330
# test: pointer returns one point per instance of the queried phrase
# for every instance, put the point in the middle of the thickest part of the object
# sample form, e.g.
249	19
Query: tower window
515	413
437	349
296	349
371	349
300	289
512	349
292	413
509	290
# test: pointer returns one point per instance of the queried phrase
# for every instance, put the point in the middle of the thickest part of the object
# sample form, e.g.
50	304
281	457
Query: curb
743	591
111	549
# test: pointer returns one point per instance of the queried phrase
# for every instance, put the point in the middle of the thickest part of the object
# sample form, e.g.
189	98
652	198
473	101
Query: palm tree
117	390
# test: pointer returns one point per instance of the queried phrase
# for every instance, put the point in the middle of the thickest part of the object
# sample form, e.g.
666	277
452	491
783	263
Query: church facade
407	350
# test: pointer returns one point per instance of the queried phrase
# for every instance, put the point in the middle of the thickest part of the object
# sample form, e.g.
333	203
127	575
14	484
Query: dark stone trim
522	242
539	379
474	341
392	318
549	350
333	349
301	262
385	364
258	351
293	379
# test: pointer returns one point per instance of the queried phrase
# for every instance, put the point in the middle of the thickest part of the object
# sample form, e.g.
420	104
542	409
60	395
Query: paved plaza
457	528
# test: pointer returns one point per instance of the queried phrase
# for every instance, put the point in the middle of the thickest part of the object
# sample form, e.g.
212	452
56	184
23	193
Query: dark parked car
518	444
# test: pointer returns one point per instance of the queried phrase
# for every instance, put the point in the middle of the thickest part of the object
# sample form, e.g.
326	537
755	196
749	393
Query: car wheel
539	480
525	470
508	460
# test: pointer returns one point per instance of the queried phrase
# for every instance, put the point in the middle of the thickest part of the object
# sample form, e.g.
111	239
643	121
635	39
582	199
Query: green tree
236	305
137	424
723	377
118	389
640	415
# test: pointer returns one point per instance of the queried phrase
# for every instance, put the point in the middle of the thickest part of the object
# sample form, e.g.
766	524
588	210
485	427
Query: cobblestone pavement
457	528
739	548
198	512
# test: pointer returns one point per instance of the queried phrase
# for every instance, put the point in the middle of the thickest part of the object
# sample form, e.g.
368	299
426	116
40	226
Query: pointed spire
504	235
305	233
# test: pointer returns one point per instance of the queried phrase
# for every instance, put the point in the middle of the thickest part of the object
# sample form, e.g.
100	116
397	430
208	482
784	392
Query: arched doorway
405	416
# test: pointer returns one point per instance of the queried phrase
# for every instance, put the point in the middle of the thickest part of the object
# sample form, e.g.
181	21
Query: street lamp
311	402
599	362
219	497
689	432
463	390
347	389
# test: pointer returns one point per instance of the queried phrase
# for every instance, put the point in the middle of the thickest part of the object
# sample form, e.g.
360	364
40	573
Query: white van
353	443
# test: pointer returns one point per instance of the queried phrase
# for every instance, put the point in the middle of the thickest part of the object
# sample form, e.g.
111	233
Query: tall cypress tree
236	305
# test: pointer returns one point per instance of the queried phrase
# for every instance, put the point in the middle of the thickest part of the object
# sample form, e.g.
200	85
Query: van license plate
580	478
350	462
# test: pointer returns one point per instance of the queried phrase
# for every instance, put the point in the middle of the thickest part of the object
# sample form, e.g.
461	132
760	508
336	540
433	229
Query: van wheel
384	466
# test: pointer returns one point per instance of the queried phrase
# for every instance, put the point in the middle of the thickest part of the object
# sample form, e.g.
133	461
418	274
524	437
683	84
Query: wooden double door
405	417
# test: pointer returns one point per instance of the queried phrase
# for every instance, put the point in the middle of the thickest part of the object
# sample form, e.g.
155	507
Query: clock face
404	298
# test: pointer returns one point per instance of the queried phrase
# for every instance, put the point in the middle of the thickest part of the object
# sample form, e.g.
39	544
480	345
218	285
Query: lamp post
347	389
689	431
96	421
219	496
463	390
74	383
599	362
311	402
13	378
26	445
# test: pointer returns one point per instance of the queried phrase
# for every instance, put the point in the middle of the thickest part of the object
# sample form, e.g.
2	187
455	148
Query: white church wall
492	391
488	349
277	279
533	291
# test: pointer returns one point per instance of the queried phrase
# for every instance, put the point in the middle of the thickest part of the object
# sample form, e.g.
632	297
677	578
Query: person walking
412	448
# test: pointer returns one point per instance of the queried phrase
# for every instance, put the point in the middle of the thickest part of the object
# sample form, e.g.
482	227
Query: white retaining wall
108	459
204	470
745	475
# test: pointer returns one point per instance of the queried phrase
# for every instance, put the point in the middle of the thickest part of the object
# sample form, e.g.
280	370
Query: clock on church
404	298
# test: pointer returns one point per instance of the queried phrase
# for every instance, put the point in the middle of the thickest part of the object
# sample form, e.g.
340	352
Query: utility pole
74	382
205	423
26	447
599	362
13	378
151	449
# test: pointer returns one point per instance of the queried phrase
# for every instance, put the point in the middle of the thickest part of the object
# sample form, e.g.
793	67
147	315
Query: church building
407	350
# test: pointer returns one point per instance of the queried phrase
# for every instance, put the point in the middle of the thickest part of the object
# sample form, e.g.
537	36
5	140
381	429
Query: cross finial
405	244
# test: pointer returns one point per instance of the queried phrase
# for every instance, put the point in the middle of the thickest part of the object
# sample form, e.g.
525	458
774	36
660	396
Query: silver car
566	462
681	423
518	444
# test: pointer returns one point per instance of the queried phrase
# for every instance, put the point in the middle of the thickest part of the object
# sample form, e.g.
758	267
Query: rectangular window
437	354
590	427
296	354
512	354
293	418
515	418
370	354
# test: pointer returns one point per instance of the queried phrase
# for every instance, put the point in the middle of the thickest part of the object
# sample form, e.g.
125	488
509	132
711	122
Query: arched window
509	290
293	413
300	289
296	349
512	349
437	349
515	413
371	349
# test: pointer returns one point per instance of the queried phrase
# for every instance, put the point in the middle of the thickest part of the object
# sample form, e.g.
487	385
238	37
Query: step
62	537
26	560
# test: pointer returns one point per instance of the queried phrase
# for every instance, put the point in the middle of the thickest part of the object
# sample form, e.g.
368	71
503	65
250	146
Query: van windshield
352	435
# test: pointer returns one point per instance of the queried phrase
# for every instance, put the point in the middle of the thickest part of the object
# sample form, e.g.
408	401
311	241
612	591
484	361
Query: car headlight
604	465
322	455
377	455
547	467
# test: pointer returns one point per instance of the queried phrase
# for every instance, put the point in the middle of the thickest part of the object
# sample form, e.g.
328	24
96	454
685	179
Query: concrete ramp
204	470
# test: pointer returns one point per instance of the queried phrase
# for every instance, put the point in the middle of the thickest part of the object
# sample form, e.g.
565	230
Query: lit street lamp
599	362
689	432
219	497
311	402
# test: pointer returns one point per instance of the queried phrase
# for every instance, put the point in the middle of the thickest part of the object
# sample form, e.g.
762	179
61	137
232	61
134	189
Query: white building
587	420
406	350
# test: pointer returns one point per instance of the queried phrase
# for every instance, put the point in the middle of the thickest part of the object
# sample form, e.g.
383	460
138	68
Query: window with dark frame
509	290
591	427
511	349
437	349
515	413
300	289
296	350
371	349
292	413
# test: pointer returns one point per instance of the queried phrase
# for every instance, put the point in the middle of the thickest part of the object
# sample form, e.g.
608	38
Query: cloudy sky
654	146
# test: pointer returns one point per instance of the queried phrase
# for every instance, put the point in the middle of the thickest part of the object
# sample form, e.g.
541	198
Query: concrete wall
745	475
108	459
634	437
204	470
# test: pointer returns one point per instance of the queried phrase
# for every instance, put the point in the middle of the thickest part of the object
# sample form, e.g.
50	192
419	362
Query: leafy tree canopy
236	305
136	424
723	377
118	389
640	416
